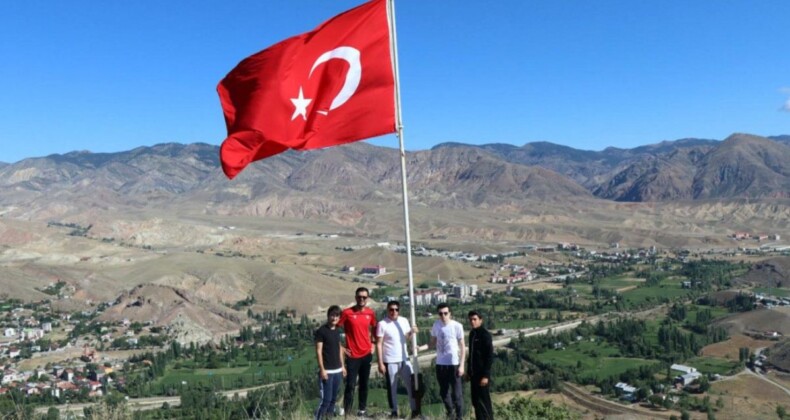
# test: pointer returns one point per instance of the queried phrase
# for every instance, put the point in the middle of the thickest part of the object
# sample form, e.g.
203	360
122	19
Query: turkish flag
330	86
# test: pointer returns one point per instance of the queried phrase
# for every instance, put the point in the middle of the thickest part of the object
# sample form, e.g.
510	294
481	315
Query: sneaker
362	413
341	411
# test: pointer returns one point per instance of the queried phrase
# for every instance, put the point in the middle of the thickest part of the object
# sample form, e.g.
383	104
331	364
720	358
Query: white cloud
786	106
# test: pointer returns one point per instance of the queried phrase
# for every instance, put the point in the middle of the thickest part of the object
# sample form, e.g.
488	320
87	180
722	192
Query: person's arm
488	359
319	347
380	347
342	359
462	353
432	344
374	330
341	323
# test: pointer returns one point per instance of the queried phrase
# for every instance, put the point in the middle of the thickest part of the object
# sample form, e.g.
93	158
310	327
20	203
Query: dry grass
542	286
729	349
748	397
777	319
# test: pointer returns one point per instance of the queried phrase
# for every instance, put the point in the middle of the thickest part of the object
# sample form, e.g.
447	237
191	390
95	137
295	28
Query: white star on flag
301	105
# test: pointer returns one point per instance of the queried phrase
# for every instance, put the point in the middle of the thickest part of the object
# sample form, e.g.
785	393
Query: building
9	332
429	297
375	270
626	392
463	291
687	379
683	368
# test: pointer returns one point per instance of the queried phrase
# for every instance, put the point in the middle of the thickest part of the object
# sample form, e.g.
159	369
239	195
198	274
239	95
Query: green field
592	359
668	289
239	374
774	291
712	365
716	311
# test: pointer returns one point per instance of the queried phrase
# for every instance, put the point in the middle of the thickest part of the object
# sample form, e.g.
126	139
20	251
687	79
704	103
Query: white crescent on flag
351	56
353	76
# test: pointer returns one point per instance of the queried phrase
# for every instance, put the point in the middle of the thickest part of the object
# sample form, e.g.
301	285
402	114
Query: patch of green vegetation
668	289
714	365
592	359
774	291
716	311
239	372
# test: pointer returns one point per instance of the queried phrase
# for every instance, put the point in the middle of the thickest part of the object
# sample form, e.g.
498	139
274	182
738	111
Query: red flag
330	86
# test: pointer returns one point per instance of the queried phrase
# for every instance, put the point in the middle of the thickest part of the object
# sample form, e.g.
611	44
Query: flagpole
399	127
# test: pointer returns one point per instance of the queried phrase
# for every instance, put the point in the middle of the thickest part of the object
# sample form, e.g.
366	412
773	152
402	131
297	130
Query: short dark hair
362	289
393	302
474	313
441	306
333	310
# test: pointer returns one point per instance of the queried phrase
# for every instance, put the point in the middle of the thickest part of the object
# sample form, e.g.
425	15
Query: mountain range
449	175
164	235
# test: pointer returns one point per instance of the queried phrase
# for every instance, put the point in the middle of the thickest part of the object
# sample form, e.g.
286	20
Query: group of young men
390	337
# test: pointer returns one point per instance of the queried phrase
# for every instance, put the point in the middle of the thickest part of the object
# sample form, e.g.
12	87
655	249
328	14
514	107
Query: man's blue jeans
328	394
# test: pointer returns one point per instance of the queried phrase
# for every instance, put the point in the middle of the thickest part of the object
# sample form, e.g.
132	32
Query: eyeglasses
444	313
393	309
362	297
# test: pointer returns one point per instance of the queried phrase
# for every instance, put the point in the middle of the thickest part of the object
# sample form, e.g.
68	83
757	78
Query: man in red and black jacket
359	325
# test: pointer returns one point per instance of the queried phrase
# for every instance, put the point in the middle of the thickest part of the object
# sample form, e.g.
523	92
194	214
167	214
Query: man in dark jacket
481	356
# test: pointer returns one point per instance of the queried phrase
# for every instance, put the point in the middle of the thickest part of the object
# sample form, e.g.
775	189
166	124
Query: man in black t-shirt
331	362
481	357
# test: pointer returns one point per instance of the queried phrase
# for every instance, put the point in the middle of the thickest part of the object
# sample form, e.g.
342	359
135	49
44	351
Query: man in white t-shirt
393	332
447	335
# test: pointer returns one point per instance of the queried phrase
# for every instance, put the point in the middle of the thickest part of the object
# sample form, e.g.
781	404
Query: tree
526	408
704	384
781	412
52	414
655	400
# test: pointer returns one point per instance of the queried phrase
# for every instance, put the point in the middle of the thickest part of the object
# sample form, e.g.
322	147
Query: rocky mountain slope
741	166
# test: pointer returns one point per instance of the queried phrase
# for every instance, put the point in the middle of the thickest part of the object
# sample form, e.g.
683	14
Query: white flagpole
399	127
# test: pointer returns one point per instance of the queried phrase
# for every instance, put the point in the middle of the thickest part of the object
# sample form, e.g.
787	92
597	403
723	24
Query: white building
683	368
429	297
688	378
463	291
9	332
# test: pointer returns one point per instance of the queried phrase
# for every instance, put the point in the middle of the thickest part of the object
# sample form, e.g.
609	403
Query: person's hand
460	371
348	351
414	329
324	375
344	372
381	368
483	381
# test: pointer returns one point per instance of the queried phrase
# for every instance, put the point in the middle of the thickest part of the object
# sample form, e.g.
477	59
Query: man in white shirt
447	335
393	332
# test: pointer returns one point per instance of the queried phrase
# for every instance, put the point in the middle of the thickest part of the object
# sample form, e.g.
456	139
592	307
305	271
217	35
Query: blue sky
111	76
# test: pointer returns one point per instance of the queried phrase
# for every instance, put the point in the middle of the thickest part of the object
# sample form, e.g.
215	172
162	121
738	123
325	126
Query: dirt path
770	381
